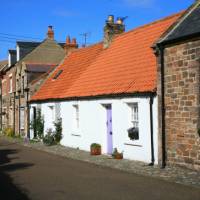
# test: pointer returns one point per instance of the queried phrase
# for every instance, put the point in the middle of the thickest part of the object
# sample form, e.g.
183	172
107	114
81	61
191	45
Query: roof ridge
87	47
33	63
151	23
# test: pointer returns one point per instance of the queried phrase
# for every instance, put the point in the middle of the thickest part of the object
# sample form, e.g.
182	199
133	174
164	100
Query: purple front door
109	129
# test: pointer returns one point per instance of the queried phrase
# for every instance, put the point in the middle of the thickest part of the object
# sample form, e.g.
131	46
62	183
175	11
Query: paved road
30	174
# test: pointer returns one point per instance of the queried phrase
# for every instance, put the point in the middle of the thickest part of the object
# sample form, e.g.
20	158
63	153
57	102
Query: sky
28	19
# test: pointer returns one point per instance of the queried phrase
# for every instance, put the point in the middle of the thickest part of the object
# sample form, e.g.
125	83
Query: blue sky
27	19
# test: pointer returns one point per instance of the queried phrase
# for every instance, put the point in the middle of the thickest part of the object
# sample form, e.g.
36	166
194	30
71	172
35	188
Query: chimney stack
70	45
50	33
111	29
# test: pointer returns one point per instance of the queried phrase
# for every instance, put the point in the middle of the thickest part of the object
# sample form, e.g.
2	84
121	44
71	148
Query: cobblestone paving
173	174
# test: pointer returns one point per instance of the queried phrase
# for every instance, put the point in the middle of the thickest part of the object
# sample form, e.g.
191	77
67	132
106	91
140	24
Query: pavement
27	173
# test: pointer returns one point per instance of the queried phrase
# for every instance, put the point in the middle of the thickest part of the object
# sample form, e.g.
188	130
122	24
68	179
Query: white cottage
104	90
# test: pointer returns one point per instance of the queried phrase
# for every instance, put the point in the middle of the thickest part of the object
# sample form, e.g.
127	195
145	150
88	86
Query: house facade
104	91
28	67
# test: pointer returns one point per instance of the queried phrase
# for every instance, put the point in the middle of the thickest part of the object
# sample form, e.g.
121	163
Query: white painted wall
92	126
18	53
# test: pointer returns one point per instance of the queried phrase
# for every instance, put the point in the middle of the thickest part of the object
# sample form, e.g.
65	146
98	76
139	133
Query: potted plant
117	155
95	149
133	133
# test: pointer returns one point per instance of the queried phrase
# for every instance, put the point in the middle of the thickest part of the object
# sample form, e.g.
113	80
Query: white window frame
4	87
10	116
10	84
22	119
134	121
134	114
76	116
52	108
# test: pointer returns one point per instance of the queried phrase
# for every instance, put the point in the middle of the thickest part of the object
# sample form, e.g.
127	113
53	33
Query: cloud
64	13
139	3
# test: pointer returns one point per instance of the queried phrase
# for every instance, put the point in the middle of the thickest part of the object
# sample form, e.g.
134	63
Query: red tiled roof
127	66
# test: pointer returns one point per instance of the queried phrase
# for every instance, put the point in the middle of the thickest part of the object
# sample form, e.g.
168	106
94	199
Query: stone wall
182	94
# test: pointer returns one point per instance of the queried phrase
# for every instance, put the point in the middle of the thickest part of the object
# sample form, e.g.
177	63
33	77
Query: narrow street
26	173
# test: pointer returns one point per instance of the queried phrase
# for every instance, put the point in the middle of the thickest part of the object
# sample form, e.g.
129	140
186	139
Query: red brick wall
6	82
182	94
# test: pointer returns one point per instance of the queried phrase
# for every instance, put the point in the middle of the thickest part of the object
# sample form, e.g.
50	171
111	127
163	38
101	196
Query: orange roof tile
127	66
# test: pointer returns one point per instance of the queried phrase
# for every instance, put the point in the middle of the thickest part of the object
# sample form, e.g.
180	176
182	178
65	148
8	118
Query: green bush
38	124
95	145
49	138
9	132
58	131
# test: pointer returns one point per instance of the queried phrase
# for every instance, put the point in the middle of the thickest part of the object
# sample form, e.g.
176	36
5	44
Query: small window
10	116
134	114
10	84
52	112
58	74
22	118
23	84
133	132
76	116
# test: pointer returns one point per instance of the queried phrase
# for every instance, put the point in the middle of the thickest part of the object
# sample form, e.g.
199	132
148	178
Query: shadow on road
8	190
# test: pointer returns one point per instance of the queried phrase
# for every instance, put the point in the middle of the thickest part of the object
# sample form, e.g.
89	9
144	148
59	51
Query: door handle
110	132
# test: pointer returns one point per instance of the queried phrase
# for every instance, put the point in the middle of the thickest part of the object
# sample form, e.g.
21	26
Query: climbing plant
37	124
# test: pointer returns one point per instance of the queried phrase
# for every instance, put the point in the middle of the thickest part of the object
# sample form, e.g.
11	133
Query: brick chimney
70	45
111	29
50	33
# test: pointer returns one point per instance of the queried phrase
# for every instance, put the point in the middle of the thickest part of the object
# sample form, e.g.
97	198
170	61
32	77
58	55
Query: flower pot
95	151
118	156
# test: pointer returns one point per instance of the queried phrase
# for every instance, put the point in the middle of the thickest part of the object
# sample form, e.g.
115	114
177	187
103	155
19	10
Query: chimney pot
111	29
50	33
110	19
68	40
74	41
70	45
119	21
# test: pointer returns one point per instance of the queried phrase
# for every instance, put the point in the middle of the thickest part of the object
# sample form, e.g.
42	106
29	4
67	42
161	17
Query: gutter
95	97
161	49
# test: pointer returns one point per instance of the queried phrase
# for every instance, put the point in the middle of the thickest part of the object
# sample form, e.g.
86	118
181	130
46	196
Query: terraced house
105	91
136	91
28	66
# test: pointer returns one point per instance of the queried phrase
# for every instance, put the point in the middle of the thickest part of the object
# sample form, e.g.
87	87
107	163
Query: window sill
131	144
76	135
136	143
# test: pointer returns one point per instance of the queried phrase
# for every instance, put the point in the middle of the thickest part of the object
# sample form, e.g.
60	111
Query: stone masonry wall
182	104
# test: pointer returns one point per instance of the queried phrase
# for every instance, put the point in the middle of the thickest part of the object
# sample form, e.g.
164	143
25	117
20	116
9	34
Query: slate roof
49	51
190	26
127	66
26	47
40	68
12	51
3	64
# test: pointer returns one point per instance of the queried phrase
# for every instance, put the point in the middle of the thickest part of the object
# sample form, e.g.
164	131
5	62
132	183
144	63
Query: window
23	86
10	84
52	108
10	116
4	86
22	123
58	74
57	111
4	116
134	114
76	115
133	132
